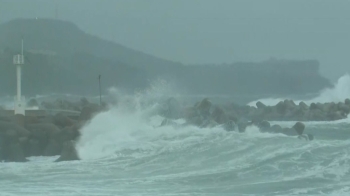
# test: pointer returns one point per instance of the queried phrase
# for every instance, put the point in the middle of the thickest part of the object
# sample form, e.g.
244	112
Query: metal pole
22	46
99	83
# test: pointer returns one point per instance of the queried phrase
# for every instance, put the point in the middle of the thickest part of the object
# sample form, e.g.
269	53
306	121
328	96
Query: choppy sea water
125	153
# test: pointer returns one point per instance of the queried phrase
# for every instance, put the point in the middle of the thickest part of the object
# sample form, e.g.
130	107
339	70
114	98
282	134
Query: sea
125	152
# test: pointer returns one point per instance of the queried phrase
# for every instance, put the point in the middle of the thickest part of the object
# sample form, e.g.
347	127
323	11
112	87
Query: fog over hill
62	58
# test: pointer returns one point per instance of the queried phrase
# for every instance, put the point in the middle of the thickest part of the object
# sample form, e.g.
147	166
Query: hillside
61	58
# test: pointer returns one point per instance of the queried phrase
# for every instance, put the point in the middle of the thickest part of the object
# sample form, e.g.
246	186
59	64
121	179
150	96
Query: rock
281	107
47	119
172	109
51	130
260	105
219	115
24	143
230	125
22	132
16	153
303	106
32	103
42	134
336	115
31	120
276	129
53	148
11	135
264	126
310	136
69	134
204	106
242	124
19	119
61	120
313	106
84	102
35	149
317	115
299	128
69	153
347	101
289	104
208	123
88	112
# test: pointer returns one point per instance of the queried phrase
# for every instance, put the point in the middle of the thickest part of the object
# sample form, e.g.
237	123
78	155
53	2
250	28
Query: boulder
230	125
84	102
317	115
303	106
313	106
22	132
289	104
61	120
19	119
310	136
53	148
336	115
209	123
35	148
88	112
16	153
344	108
347	101
24	143
281	107
31	120
276	129
260	105
299	128
204	107
69	134
69	153
219	115
264	126
32	103
172	109
242	124
51	130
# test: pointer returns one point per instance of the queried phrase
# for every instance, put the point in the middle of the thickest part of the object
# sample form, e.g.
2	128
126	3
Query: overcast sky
210	31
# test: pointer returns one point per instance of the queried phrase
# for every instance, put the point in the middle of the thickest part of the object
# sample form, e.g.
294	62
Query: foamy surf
125	152
338	93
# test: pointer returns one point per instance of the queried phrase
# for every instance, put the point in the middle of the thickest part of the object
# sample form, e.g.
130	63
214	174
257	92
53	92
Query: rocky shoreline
25	136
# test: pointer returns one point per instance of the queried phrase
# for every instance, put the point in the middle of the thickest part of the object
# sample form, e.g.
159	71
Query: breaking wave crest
339	92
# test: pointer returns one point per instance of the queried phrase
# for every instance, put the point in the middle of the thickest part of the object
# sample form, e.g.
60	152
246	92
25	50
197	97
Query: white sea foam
338	93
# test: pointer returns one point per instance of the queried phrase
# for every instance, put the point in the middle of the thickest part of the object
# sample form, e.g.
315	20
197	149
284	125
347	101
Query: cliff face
63	59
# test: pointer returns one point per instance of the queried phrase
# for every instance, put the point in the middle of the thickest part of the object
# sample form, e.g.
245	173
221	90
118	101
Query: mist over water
124	151
338	93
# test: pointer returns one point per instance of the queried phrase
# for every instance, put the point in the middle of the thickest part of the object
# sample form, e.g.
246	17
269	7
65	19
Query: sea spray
338	93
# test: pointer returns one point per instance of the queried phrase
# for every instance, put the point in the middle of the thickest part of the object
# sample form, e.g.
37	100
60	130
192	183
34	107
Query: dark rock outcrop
69	153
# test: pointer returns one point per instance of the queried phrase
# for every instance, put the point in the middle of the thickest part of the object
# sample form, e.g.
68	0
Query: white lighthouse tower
20	102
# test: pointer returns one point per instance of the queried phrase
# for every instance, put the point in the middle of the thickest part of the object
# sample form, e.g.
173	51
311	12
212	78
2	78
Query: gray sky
210	31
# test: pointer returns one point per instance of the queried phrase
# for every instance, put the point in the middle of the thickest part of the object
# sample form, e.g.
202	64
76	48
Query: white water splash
338	93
